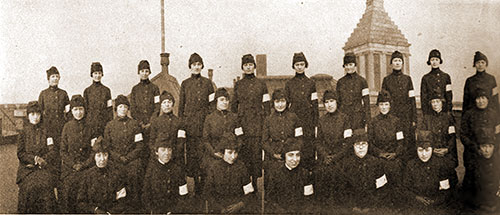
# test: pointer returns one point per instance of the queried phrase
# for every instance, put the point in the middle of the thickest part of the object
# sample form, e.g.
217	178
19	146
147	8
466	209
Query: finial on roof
374	4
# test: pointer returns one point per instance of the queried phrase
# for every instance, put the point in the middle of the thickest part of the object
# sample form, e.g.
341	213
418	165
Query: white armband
138	137
308	190
365	92
451	129
347	133
121	193
248	188
444	184
448	87
399	135
181	133
50	141
266	98
298	131
411	93
183	190
66	108
380	182
211	97
238	131
314	96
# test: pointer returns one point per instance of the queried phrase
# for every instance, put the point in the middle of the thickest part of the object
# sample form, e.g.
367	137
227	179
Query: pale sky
69	34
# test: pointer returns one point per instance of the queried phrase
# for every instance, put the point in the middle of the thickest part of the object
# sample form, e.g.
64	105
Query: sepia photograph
250	107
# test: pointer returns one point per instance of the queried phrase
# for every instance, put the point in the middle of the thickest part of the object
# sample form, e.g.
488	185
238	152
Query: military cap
299	57
95	67
479	56
434	53
77	101
53	70
195	57
349	57
248	58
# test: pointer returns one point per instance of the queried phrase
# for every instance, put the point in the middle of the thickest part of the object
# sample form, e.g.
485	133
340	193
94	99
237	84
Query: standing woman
480	80
54	103
251	103
194	105
354	95
403	106
303	101
98	102
435	81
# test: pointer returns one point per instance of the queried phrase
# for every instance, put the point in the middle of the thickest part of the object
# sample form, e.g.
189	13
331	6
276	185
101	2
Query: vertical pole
162	26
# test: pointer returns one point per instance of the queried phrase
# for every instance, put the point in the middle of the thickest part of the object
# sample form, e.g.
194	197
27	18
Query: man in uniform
334	130
98	102
442	125
55	104
103	189
228	188
165	126
435	81
475	119
290	185
36	171
303	101
75	151
165	187
195	96
217	123
125	140
482	80
251	103
403	106
429	179
353	93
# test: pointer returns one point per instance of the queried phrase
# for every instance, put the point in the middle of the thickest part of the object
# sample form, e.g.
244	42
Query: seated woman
218	122
429	179
486	193
332	144
289	186
442	125
228	187
103	186
36	172
165	187
366	179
